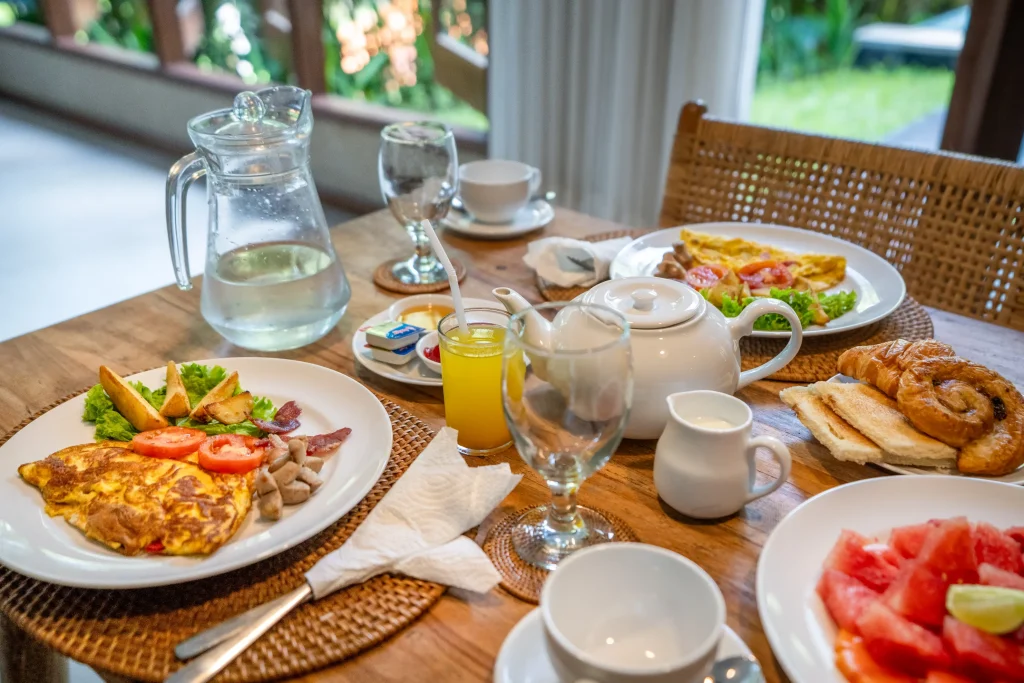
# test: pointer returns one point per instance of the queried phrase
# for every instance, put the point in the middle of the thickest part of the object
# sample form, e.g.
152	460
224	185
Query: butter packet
393	356
393	335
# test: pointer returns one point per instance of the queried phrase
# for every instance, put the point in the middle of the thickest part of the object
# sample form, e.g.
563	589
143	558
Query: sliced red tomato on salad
231	454
762	274
169	442
702	277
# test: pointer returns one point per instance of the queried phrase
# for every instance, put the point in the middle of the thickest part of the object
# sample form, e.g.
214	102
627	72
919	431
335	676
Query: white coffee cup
494	190
631	613
704	465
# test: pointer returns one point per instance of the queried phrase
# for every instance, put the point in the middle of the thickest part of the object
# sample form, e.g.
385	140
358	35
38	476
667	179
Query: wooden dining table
459	638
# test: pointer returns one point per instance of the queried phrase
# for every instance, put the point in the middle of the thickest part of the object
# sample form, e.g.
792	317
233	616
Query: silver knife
222	643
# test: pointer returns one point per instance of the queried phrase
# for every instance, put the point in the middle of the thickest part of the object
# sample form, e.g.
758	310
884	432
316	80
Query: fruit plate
880	288
799	629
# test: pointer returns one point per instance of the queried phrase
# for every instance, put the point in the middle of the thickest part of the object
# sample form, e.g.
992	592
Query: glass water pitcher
273	280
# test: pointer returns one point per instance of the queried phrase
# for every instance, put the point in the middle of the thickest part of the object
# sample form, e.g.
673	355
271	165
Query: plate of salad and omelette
855	286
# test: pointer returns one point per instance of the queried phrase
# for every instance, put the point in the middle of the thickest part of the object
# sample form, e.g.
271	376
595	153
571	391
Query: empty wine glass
418	168
566	405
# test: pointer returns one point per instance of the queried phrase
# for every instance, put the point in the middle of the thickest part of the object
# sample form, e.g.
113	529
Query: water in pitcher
275	296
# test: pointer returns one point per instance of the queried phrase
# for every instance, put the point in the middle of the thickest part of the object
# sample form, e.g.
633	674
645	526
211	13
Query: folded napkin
416	529
573	263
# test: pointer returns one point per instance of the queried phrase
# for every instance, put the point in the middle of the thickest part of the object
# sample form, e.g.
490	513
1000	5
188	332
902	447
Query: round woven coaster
133	632
818	355
385	279
552	292
524	580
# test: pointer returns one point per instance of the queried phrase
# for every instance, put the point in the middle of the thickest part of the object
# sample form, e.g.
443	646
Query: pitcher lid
648	302
258	117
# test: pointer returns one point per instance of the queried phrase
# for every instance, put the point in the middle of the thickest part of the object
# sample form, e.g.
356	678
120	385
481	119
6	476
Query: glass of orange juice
471	378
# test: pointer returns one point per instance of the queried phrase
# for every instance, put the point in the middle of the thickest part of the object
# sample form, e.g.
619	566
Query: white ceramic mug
631	613
704	465
494	190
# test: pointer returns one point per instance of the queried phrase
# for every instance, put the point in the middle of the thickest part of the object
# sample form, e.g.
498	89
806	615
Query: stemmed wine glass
418	169
566	404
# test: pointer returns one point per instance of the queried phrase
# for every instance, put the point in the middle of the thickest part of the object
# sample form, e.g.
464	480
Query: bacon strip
286	420
326	442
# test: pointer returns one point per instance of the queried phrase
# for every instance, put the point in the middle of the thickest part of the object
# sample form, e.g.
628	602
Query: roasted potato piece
176	403
130	402
220	392
232	410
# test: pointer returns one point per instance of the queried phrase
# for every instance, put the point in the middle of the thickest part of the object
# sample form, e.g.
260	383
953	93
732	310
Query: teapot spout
538	330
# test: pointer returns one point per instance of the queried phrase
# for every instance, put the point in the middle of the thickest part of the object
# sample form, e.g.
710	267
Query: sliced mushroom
265	482
314	463
278	458
286	474
309	477
297	451
295	493
271	505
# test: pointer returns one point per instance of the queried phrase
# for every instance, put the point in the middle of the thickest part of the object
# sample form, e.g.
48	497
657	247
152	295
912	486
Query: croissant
882	364
967	405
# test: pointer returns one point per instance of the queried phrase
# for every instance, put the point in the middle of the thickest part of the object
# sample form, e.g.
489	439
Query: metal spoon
548	196
744	669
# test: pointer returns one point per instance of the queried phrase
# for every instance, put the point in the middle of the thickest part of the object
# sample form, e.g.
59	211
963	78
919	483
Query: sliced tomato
169	442
702	277
231	454
766	274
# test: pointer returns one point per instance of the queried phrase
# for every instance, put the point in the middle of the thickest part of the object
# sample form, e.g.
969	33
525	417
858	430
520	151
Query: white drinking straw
453	279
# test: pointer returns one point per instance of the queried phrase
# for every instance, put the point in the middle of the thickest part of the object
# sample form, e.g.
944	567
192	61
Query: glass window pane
377	51
875	70
20	10
119	23
237	39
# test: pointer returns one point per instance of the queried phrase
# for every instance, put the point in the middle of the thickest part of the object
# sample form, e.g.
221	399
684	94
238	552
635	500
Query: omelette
132	502
822	270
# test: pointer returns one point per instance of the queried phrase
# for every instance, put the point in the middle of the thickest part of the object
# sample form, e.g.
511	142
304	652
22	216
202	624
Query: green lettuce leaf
112	426
153	398
263	408
199	379
96	404
246	428
839	303
834	305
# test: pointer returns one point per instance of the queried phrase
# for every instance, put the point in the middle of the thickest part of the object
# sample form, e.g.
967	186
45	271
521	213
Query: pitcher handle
186	170
781	455
743	324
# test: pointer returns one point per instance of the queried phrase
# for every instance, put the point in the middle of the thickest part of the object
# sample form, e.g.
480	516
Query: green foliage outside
233	41
121	23
20	10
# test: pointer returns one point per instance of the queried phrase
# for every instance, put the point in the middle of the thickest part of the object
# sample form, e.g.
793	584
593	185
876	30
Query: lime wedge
991	609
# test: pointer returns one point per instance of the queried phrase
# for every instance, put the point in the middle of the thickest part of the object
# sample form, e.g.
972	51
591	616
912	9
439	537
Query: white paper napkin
416	529
572	263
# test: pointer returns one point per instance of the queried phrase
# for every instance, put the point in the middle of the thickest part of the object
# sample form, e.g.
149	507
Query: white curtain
589	91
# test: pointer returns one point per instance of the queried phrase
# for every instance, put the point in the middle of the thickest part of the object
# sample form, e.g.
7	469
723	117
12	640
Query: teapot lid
648	303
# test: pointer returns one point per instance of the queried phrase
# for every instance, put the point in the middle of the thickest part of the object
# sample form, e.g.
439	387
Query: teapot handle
184	171
743	324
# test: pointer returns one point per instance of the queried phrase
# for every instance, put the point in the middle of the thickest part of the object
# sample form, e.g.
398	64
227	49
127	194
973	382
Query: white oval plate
415	371
880	288
533	216
523	657
799	629
50	549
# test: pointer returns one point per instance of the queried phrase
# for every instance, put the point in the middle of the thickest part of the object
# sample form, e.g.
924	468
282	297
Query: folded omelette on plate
133	503
823	270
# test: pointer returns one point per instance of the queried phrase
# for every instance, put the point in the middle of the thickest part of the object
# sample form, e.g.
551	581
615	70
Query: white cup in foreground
494	190
631	613
704	465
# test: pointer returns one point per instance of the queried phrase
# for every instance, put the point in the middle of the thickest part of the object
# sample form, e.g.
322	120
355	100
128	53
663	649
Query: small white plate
533	216
426	341
50	549
1015	477
523	657
880	288
413	372
799	629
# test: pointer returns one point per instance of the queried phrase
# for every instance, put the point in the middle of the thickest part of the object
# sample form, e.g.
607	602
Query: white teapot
679	341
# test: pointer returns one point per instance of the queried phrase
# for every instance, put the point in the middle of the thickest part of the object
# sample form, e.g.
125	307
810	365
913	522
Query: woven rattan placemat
818	355
552	292
385	279
133	632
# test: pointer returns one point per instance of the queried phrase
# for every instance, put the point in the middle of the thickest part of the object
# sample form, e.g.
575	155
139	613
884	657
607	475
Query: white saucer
413	372
523	656
533	216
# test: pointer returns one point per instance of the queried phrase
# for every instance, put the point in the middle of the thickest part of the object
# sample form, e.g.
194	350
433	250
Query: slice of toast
876	416
843	441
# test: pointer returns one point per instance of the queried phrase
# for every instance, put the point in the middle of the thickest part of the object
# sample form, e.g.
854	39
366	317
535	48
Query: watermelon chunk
908	540
919	594
990	575
899	643
994	547
845	598
858	666
983	654
949	551
871	566
1017	534
946	677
